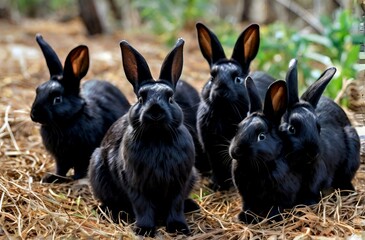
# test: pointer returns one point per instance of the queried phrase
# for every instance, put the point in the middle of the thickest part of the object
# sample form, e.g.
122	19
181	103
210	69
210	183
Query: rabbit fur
145	164
224	101
73	120
322	147
259	168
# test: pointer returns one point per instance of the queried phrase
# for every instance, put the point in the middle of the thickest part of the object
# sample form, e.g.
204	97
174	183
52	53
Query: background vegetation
338	43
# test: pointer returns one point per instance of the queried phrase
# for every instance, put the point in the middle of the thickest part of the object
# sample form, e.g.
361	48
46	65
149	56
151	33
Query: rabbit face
256	140
156	107
301	129
58	99
301	132
52	104
226	83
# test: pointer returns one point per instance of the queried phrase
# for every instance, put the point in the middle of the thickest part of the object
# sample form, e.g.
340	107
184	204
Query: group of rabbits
244	129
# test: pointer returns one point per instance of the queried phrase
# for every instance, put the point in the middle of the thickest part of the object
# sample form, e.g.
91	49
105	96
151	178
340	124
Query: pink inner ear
79	63
205	42
250	43
276	98
129	64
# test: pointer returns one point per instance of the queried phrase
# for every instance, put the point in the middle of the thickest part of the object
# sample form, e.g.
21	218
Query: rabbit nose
37	115
235	152
34	114
155	112
312	149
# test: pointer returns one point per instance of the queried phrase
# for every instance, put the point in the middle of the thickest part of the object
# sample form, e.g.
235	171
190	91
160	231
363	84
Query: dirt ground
30	210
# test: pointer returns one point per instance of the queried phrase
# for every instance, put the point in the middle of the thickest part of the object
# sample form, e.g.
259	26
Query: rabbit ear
247	46
314	91
76	67
135	66
209	44
255	101
52	60
172	65
292	82
276	101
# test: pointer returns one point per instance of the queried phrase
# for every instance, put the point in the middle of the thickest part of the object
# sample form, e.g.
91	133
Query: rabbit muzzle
155	113
39	115
235	152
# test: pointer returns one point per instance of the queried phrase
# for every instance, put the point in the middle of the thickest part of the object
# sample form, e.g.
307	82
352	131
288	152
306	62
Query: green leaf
318	39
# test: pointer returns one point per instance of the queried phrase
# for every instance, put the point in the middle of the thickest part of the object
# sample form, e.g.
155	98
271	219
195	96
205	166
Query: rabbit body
261	174
224	101
73	121
145	165
322	147
188	99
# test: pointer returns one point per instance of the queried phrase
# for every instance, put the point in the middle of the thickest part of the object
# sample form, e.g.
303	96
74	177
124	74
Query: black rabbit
224	101
73	122
322	147
259	168
145	165
188	99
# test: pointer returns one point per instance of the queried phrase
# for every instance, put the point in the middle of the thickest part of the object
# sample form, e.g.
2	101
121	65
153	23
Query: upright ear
292	82
135	66
247	46
315	91
52	60
76	67
172	65
276	101
253	95
209	44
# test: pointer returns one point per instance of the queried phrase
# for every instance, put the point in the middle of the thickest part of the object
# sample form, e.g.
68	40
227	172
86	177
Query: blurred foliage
41	8
280	43
168	18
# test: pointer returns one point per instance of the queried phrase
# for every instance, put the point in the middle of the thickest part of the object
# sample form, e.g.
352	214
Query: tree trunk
94	16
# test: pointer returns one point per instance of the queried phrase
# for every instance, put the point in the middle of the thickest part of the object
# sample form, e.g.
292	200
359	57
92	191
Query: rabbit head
156	107
58	99
301	129
226	83
256	138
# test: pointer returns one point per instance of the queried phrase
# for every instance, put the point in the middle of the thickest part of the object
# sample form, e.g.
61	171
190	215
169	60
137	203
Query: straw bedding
29	209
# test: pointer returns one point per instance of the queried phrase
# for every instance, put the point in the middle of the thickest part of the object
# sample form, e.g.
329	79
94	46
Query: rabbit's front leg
175	221
62	167
80	169
145	216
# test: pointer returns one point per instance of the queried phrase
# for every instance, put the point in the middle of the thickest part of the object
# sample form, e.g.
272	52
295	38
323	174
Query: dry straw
29	209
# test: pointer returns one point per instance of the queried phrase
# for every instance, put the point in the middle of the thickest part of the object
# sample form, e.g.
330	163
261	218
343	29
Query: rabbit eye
57	100
261	137
291	129
238	80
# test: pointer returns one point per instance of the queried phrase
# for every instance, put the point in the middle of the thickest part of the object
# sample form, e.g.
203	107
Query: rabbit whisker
236	110
173	132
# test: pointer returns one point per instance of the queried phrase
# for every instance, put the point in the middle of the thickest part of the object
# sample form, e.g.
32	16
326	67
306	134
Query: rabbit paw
190	205
177	227
145	231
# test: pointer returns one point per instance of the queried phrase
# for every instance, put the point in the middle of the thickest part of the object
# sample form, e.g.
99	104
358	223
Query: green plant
168	18
36	8
280	43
